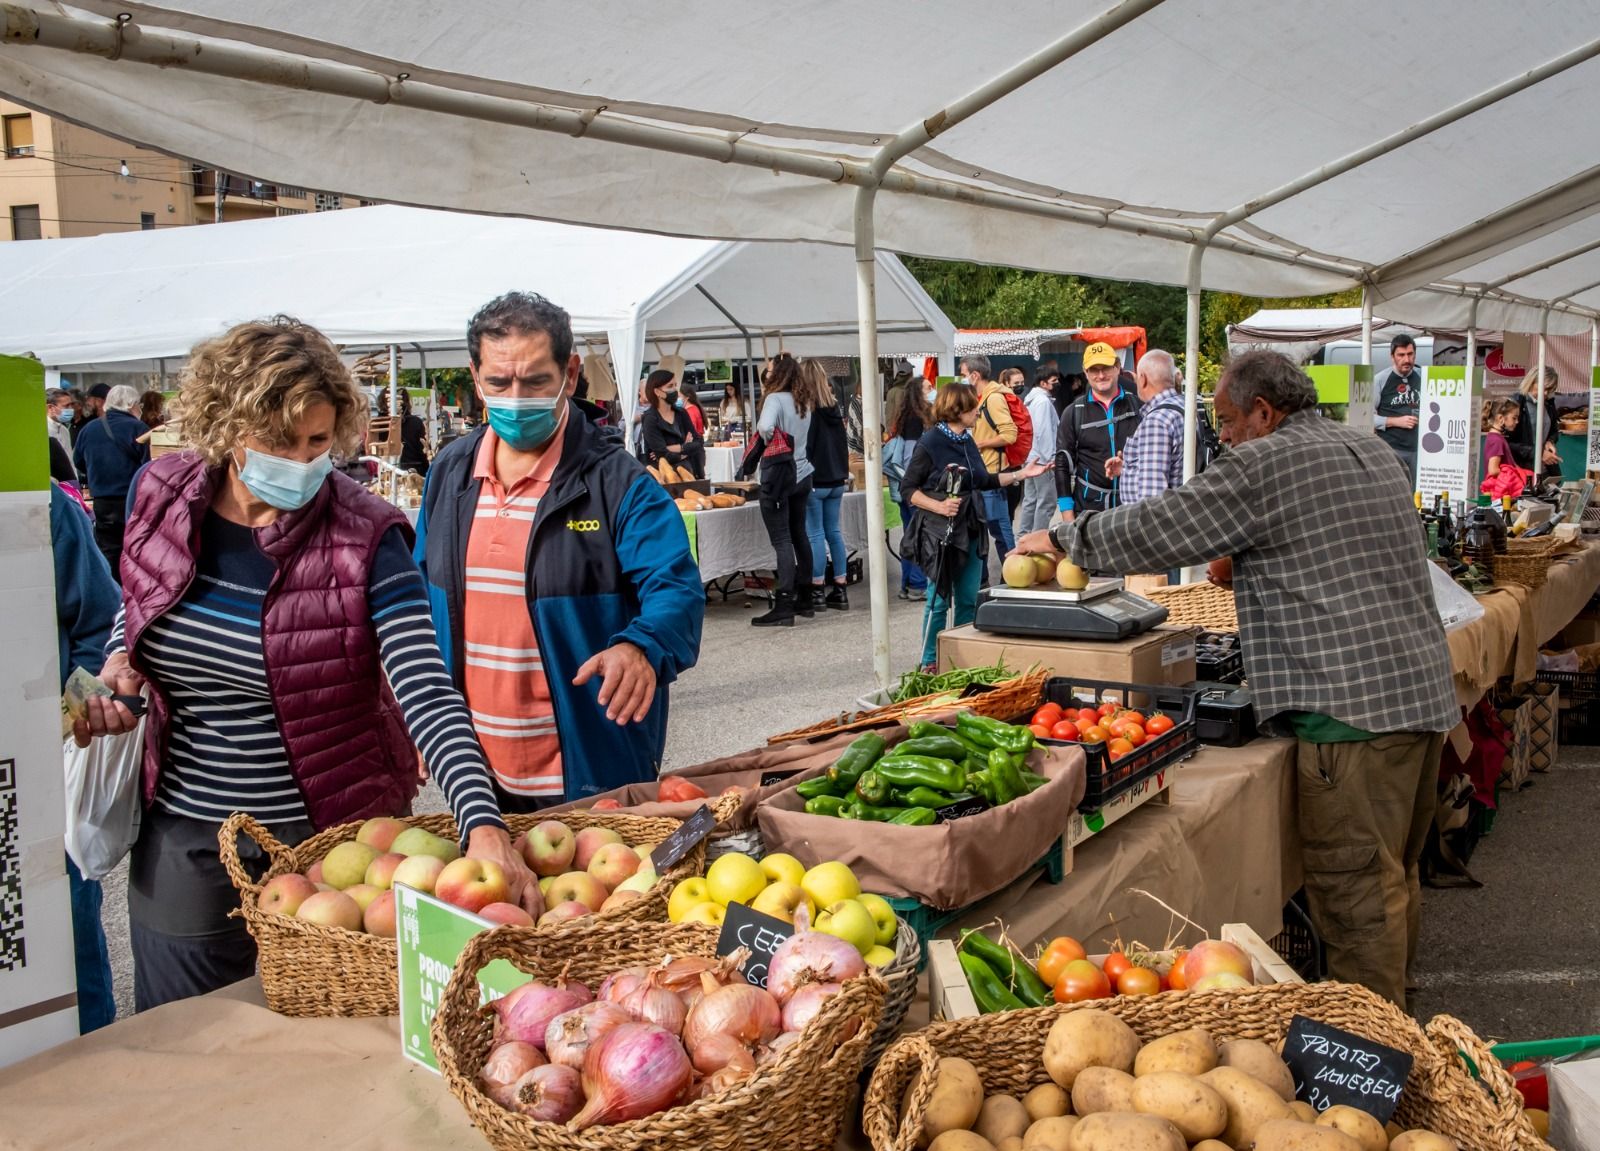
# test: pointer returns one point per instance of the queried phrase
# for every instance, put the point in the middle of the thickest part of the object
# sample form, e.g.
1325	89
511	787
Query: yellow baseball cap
1099	353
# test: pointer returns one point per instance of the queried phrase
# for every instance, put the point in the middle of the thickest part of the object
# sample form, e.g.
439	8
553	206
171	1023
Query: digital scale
1102	611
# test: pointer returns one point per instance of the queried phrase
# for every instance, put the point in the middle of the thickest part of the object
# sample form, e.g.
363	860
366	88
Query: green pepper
1013	971
1033	781
826	805
979	782
977	761
860	755
922	771
991	995
872	788
876	814
1003	774
821	785
920	797
991	733
942	746
915	817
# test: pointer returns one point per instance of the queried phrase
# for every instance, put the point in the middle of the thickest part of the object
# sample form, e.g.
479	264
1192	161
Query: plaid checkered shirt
1152	461
1335	604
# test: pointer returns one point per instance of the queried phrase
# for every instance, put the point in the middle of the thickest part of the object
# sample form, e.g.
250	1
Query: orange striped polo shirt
504	678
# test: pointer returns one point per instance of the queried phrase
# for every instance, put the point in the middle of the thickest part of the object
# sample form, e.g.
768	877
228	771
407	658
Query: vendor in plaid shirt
1152	461
1342	641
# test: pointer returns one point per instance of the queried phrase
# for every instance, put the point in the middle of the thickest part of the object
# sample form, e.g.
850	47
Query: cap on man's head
99	391
1098	354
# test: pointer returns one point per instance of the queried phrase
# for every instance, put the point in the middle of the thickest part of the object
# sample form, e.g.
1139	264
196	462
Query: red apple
379	917
419	872
1214	957
564	911
506	913
285	894
612	864
331	909
579	887
314	872
591	840
472	884
549	847
379	833
363	894
380	873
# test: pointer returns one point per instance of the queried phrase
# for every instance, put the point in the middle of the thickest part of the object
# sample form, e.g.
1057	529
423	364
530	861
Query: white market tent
1439	154
408	276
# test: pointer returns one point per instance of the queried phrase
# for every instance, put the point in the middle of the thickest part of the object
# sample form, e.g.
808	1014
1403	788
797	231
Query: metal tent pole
1366	324
1538	392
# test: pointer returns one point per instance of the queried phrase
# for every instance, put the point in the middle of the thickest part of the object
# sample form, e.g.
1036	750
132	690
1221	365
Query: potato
1001	1117
1211	1145
1117	1132
1250	1104
1293	1135
961	1141
1357	1124
1046	1101
1303	1111
957	1100
1102	1089
1088	1038
1009	1143
1191	1052
1256	1059
1196	1110
1392	1129
1421	1141
1052	1133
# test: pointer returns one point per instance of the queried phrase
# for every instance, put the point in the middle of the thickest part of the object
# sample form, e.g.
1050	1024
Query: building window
327	201
288	192
25	222
19	135
147	221
282	211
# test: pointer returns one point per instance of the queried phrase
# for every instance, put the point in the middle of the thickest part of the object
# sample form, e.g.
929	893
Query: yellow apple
690	893
883	915
706	913
828	883
1071	577
780	900
879	956
346	865
849	921
781	868
734	878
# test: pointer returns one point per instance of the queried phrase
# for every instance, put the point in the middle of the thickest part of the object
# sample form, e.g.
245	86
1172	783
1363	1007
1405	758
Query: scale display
1101	611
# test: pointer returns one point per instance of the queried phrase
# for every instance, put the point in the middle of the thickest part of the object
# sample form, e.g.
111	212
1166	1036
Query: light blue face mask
285	484
523	422
66	416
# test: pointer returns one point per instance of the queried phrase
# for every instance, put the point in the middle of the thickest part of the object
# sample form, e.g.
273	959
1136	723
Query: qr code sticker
12	953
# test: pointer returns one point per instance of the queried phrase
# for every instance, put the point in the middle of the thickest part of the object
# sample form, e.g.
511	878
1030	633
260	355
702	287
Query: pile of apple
780	886
584	872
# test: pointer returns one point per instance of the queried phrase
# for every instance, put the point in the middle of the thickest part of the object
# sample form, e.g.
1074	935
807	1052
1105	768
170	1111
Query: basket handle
1455	1041
725	807
904	1059
282	857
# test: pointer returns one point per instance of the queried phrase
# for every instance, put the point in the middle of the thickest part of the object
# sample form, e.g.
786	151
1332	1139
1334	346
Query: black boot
838	599
805	601
781	615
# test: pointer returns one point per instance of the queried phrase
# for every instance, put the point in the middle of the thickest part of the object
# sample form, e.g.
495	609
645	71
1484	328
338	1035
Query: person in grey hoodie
782	432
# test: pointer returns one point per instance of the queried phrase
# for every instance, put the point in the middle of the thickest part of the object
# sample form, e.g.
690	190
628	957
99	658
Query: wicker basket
796	1102
1006	1048
308	969
1525	562
901	976
1009	698
1197	605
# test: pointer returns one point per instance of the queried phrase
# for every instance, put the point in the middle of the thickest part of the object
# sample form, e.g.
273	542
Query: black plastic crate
1109	778
1298	944
1576	687
1218	657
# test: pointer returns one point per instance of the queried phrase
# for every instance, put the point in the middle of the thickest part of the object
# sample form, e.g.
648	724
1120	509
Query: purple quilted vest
348	747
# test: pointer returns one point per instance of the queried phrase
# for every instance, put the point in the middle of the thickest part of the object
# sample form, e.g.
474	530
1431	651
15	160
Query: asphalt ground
1514	959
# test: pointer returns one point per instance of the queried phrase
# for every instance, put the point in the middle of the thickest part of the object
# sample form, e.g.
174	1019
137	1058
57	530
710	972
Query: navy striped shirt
225	752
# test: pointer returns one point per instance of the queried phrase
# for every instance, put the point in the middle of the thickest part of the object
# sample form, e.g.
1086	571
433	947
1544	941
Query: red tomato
1175	978
1115	725
1132	717
1049	715
607	804
1119	747
1066	729
1095	735
1088	715
1081	980
1138	981
1059	952
1106	709
1040	731
1158	724
1116	963
1133	733
675	789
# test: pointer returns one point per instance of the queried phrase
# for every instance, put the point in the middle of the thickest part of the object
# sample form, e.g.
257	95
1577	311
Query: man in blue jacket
106	455
564	592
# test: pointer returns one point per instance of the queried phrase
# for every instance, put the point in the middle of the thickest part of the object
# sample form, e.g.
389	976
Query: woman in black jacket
828	450
668	433
1522	436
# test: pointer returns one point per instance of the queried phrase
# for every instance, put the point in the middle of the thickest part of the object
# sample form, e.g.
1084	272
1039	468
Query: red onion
804	1004
570	1035
739	1011
776	1048
526	1012
734	1073
811	957
715	1052
651	1003
550	1094
619	983
634	1070
506	1064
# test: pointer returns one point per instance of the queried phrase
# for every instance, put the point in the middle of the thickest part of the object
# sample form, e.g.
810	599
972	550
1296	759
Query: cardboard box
1583	630
1519	718
1162	656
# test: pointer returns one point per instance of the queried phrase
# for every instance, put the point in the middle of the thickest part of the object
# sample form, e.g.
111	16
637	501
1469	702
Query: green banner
691	521
430	935
24	453
891	508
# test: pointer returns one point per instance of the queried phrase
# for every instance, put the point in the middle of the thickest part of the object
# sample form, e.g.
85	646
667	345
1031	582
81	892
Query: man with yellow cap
1093	430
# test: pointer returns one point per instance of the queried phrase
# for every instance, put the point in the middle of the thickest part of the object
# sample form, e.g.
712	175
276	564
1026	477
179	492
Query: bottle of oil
1497	525
1477	540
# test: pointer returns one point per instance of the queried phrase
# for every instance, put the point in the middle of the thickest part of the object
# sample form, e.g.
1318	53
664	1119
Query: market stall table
728	541
721	463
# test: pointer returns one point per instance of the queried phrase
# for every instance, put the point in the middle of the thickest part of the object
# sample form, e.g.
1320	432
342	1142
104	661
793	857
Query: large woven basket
797	1102
1011	697
1525	562
901	978
1007	1048
1196	605
309	969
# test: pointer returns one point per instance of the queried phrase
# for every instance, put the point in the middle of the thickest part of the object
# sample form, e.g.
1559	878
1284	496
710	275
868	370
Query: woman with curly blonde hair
276	622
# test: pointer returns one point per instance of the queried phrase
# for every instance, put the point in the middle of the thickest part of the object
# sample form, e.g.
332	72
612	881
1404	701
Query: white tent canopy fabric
390	275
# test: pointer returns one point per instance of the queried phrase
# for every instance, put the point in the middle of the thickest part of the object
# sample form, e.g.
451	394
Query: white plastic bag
1457	606
103	801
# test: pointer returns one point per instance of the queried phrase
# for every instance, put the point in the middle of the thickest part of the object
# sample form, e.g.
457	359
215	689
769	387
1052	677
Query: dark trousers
783	510
513	804
694	458
110	522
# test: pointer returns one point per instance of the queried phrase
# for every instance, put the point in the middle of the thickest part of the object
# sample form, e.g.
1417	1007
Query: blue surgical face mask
66	416
523	422
285	484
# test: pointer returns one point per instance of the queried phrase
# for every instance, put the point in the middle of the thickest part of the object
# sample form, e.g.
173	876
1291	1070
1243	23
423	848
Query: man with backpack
1152	462
1039	493
1004	434
1094	428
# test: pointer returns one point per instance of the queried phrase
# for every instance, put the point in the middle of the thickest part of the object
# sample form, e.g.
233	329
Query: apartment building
59	180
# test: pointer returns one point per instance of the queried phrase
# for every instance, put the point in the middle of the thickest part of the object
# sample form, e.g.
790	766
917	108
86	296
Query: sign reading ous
1447	432
1333	1067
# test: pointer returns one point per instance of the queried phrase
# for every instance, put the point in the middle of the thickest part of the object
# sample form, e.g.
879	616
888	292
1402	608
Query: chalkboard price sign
760	933
972	805
1333	1067
768	778
680	843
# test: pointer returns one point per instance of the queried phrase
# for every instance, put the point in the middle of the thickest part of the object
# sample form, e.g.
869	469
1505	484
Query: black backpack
1207	444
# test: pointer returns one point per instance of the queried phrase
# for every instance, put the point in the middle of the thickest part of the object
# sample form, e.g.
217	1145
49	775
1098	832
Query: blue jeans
822	526
964	593
96	1005
911	577
996	511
